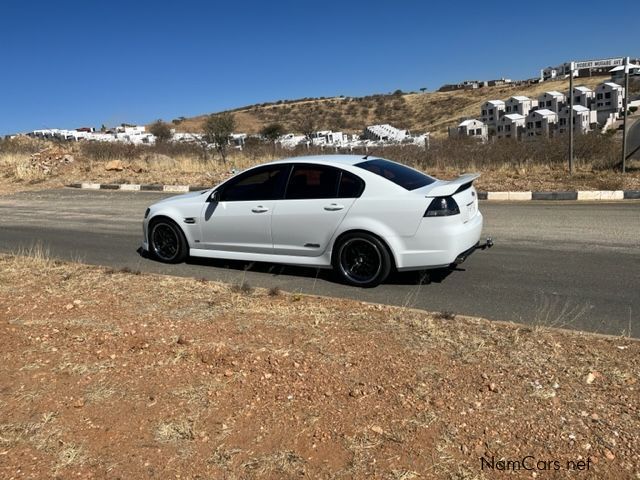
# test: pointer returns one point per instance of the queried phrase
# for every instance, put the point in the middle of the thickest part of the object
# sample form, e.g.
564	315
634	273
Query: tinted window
312	181
261	184
399	174
350	186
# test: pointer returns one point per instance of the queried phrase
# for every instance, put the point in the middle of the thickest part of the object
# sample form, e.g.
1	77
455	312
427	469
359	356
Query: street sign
602	63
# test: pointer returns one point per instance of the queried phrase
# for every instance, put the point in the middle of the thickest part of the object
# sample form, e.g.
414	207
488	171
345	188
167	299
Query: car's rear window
399	174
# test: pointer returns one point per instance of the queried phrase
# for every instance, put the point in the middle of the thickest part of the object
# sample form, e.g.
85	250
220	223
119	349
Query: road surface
567	264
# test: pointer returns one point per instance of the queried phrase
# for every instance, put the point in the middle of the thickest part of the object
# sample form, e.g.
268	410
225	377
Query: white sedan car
363	216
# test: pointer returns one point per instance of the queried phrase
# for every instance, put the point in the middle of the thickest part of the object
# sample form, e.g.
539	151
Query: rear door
240	221
316	200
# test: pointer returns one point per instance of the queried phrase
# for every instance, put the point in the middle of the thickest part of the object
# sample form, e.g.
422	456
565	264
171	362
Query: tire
362	260
167	243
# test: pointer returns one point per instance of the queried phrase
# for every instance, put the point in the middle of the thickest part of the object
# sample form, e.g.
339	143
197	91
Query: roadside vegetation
113	373
504	165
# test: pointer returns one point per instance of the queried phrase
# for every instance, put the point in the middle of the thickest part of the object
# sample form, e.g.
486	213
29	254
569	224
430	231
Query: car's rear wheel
167	242
362	259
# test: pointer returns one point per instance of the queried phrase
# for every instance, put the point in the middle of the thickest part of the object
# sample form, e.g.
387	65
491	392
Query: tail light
442	207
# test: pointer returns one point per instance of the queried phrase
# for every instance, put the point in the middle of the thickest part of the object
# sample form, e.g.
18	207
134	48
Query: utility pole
625	101
571	66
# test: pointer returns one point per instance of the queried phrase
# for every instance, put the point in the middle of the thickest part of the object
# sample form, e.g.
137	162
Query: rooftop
544	112
580	108
468	122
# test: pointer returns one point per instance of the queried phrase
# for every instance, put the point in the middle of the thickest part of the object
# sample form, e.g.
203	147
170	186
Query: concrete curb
585	195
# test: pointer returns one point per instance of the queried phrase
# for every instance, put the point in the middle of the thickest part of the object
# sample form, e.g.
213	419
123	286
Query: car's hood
180	198
443	188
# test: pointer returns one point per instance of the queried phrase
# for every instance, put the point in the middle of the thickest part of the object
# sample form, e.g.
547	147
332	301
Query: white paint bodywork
287	230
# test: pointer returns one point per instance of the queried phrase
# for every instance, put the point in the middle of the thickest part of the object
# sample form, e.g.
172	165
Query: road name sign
605	62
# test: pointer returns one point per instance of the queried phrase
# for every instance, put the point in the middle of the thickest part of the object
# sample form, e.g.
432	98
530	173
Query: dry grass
418	112
504	166
280	463
175	431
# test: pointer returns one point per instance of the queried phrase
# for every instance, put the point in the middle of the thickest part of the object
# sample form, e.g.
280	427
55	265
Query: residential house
584	120
617	76
511	125
552	100
583	96
498	82
520	104
541	123
608	103
470	128
490	112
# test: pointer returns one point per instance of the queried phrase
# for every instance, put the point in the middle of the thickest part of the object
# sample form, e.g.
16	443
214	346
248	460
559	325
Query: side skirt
323	261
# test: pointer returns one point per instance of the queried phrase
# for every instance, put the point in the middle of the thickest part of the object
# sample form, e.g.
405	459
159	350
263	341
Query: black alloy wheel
363	260
167	242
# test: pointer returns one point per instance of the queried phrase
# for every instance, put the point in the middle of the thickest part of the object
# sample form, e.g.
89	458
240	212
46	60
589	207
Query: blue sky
70	64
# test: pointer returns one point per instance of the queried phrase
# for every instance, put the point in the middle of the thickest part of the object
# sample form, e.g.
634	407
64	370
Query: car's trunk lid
444	188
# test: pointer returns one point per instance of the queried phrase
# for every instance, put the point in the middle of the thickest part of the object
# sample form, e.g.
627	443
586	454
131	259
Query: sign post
625	102
572	68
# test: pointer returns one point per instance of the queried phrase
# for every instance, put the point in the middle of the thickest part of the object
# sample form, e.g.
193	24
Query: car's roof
325	159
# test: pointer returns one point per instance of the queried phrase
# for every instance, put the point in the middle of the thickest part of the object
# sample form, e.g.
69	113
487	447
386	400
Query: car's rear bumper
437	243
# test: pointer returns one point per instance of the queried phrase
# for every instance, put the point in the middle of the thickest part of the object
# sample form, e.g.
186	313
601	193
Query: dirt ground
116	374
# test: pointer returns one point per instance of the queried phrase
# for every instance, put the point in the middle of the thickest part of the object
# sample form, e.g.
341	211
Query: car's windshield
399	174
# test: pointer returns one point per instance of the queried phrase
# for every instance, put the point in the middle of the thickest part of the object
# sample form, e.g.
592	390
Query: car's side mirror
214	197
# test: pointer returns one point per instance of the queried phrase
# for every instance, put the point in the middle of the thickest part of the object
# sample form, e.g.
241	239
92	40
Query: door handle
259	209
333	207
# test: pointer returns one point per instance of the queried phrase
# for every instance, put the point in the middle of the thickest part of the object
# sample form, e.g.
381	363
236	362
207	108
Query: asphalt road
568	264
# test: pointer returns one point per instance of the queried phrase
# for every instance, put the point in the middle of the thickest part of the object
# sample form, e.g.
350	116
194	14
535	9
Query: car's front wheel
167	242
362	259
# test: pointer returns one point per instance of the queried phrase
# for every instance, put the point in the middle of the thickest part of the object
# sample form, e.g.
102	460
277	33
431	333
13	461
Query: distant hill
418	112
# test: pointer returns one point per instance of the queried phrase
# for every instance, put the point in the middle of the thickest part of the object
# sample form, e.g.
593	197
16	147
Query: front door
240	219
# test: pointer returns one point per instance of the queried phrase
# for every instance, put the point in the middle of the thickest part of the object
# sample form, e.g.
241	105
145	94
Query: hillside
418	112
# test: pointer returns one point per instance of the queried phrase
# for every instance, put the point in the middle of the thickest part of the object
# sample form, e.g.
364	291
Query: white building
583	119
327	137
541	123
552	100
490	112
470	128
520	104
583	96
385	133
551	73
608	102
511	125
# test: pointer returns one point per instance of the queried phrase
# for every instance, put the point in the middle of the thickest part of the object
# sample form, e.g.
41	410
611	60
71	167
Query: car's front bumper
145	236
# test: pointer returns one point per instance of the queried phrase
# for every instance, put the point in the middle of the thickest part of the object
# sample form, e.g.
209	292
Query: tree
272	132
307	126
217	129
161	131
423	89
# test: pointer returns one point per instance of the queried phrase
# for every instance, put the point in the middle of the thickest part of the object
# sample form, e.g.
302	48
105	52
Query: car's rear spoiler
443	188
